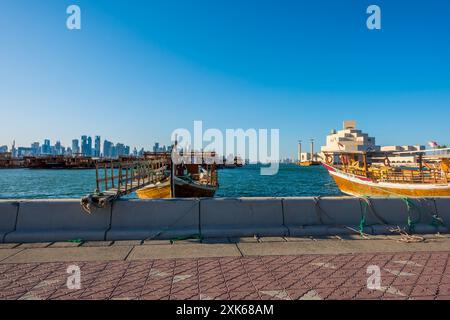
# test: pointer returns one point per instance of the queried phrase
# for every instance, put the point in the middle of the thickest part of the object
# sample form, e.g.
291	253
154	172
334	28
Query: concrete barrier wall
154	219
395	212
443	209
242	217
8	216
58	220
302	218
62	220
322	216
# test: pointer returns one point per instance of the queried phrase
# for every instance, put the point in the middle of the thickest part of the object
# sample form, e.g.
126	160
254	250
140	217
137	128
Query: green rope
75	240
362	222
193	237
437	221
410	205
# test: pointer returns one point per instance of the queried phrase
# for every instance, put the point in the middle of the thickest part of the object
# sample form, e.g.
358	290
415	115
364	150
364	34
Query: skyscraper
120	149
84	145
107	149
97	146
35	148
58	148
46	148
75	147
89	147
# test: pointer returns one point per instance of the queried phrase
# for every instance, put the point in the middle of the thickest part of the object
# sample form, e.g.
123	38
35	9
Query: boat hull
309	163
161	191
360	186
183	189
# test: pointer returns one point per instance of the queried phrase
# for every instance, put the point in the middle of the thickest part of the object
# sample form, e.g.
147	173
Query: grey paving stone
156	242
127	243
271	239
67	254
244	240
5	253
97	244
198	250
8	245
34	245
297	239
187	241
65	244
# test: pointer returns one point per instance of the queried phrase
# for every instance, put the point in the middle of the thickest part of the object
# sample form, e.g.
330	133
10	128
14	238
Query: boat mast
365	164
172	170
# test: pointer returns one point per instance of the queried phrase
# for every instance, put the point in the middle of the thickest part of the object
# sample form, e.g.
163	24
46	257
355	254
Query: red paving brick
403	276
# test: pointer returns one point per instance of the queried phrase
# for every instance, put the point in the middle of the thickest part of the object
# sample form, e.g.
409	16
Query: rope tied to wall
97	200
362	222
410	205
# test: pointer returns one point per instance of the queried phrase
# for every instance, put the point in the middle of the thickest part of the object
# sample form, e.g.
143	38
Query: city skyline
84	146
138	70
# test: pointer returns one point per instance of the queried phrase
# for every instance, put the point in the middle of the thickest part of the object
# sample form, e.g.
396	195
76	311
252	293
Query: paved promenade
248	268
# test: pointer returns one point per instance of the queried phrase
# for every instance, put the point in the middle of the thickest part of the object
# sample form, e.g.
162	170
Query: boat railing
428	176
124	177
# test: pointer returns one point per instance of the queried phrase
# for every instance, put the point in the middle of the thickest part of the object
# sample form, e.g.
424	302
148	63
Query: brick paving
412	275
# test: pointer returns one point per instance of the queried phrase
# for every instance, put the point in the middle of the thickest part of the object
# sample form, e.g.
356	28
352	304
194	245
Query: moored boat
159	190
308	163
189	181
428	179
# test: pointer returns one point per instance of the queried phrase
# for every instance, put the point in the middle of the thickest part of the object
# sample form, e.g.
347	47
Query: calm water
291	180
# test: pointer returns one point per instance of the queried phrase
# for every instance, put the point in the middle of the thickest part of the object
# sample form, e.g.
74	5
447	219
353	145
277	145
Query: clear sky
139	69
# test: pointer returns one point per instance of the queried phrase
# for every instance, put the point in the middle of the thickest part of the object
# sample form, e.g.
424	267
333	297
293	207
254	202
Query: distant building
89	147
46	147
349	139
13	149
35	147
86	148
58	150
402	148
24	152
158	148
84	145
75	146
404	157
107	149
97	146
122	150
307	156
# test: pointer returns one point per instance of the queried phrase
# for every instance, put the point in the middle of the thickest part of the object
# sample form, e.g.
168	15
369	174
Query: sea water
246	181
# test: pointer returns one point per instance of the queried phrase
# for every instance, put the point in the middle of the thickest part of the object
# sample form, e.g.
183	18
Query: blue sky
139	69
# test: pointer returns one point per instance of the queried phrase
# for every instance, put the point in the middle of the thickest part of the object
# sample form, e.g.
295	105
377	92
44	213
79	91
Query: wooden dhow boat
189	181
358	175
